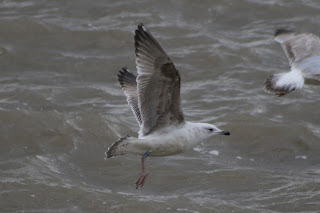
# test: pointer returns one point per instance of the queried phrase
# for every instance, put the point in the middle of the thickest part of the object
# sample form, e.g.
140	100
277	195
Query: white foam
302	157
214	152
197	149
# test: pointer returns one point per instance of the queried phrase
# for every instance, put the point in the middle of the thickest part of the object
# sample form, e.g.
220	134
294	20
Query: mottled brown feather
128	84
158	84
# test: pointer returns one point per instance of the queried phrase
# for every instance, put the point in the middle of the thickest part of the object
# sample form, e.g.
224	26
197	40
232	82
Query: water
61	107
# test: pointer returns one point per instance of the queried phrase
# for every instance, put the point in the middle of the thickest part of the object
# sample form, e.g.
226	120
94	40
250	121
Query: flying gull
303	53
154	98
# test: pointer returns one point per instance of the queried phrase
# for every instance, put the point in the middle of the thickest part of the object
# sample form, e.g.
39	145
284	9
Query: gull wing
158	84
128	84
297	46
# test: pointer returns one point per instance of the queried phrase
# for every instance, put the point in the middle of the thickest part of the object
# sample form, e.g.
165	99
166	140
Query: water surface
61	107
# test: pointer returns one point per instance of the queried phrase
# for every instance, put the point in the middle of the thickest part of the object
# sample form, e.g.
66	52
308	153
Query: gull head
208	130
213	130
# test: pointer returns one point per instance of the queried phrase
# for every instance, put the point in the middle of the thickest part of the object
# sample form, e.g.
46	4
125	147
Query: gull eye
211	129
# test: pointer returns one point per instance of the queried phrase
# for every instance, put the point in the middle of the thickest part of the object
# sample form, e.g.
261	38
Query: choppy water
61	107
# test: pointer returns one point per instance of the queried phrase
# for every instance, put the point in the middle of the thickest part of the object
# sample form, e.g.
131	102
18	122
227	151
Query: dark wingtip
121	73
125	76
282	31
139	37
141	27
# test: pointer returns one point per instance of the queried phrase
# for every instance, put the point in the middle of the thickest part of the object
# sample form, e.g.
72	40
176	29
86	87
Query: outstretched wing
297	46
303	53
158	84
128	84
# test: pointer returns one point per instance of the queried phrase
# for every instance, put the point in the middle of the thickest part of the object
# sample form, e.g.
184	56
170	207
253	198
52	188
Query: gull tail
283	83
118	147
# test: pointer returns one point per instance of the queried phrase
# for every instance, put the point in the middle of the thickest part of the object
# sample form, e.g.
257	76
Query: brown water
61	107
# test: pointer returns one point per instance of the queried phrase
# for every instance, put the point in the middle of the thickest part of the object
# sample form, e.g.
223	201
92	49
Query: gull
303	53
154	98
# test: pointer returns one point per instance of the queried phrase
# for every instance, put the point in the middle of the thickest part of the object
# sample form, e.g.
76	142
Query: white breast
172	140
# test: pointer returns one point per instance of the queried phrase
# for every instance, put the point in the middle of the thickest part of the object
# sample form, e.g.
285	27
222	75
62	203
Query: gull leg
143	177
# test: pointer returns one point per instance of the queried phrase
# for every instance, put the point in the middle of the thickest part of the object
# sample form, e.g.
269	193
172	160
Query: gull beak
224	133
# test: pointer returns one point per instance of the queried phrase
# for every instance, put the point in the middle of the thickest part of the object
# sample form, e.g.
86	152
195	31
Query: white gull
154	98
303	53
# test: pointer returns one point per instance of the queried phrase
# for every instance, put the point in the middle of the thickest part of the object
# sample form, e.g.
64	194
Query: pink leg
143	177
